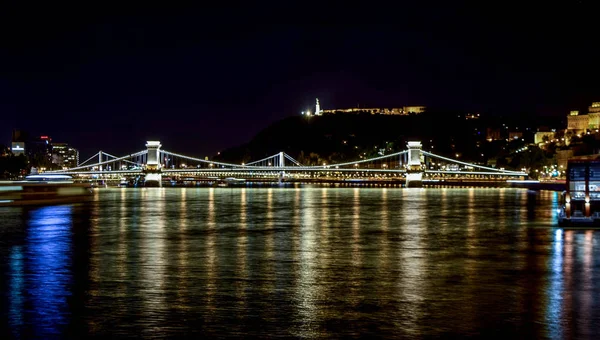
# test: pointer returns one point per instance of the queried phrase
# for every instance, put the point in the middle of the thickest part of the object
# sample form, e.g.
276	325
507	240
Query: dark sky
204	78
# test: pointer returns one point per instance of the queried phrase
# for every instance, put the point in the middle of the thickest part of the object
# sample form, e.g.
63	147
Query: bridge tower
414	172
153	166
281	165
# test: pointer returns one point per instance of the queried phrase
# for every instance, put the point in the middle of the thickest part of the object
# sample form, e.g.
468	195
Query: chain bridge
411	167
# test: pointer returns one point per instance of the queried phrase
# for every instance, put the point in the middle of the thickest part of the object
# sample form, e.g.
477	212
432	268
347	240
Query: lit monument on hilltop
318	108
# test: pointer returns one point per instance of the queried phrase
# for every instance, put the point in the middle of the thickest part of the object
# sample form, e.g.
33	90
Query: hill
346	137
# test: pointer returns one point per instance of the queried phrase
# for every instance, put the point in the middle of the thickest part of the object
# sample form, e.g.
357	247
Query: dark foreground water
298	262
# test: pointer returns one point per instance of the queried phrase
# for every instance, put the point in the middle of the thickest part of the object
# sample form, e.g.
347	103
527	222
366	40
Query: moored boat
43	189
580	202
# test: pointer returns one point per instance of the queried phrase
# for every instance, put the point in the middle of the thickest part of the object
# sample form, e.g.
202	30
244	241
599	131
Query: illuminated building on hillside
594	116
493	134
413	109
577	123
406	110
515	135
539	136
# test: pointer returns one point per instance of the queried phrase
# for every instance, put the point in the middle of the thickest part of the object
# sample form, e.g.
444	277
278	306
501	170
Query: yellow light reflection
268	269
183	248
306	286
122	248
356	251
411	257
324	222
153	254
211	250
242	254
384	244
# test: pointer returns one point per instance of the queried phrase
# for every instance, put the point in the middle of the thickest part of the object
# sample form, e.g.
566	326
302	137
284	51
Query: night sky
201	79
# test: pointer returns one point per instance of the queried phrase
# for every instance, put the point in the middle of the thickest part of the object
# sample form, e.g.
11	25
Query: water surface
306	262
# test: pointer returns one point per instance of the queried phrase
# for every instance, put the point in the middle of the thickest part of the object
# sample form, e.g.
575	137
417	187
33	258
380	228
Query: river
298	262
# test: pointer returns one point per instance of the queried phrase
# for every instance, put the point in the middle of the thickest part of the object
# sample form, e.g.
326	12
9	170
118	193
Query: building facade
493	134
539	136
406	110
42	153
577	123
515	135
64	155
19	138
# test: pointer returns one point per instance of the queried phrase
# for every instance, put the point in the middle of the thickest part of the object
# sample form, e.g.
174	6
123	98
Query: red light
44	137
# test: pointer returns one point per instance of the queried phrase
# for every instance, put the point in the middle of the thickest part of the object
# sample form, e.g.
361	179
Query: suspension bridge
412	167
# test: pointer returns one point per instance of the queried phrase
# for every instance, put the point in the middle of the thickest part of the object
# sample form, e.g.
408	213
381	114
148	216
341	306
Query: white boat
43	189
231	181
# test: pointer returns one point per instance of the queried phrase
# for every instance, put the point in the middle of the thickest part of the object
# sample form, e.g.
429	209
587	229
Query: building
17	148
577	123
413	109
539	137
4	151
493	134
515	135
39	151
64	156
19	138
400	111
42	153
354	110
594	116
562	157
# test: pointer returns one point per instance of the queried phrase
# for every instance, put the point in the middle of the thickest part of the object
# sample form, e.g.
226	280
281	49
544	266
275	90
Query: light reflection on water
300	262
39	275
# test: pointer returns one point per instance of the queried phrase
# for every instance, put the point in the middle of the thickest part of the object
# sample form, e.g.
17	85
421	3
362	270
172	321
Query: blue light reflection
555	289
48	247
16	291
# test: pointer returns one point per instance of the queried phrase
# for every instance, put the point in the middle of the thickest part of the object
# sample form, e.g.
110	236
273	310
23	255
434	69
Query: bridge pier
414	171
153	169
